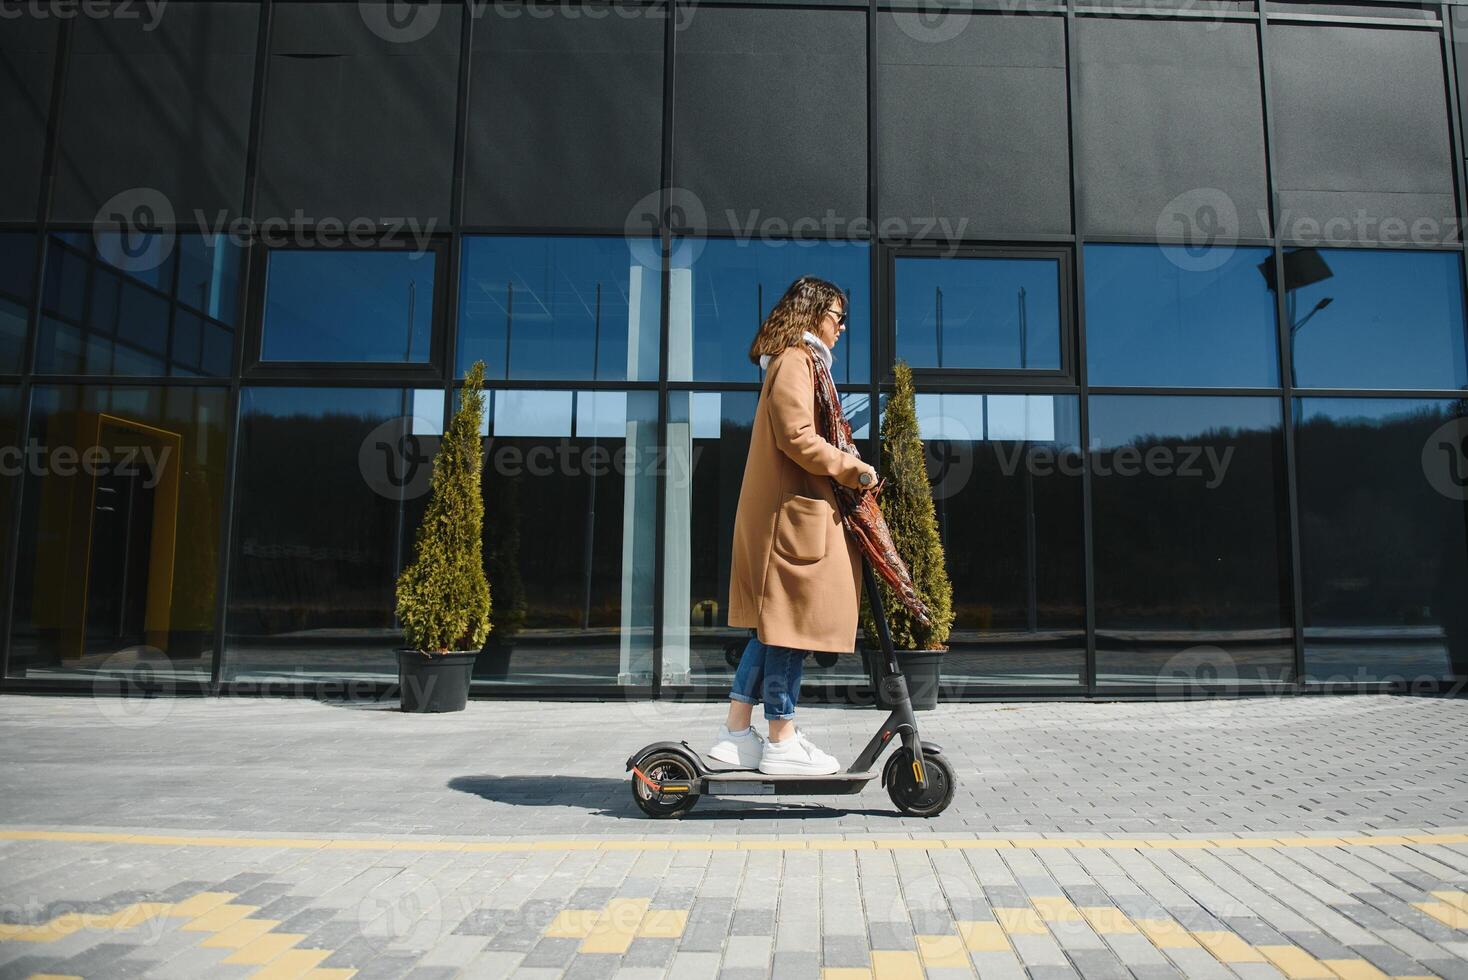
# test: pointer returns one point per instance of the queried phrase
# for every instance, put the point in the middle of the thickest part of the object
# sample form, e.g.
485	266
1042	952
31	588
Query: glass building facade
1181	285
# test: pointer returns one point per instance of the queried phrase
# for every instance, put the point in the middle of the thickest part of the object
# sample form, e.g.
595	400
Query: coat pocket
800	529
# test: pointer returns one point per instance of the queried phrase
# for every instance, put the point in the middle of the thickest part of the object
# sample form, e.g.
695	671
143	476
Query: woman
795	576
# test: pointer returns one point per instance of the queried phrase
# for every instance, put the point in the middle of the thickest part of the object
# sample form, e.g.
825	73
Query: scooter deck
755	776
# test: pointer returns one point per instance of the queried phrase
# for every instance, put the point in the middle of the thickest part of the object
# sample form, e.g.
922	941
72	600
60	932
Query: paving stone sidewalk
1295	837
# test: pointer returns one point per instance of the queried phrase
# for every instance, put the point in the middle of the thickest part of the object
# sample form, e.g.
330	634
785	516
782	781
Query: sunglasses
840	317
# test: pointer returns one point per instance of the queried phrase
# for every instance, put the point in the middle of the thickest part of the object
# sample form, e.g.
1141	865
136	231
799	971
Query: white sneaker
797	755
742	749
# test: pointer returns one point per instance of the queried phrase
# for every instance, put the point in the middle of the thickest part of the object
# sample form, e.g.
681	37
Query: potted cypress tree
443	596
907	504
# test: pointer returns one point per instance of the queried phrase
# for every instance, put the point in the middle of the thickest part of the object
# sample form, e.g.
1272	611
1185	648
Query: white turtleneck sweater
822	351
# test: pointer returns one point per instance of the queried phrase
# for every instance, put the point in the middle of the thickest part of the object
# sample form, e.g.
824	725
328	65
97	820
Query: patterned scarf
859	511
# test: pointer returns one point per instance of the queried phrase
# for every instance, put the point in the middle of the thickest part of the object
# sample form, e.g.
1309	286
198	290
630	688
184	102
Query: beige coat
795	574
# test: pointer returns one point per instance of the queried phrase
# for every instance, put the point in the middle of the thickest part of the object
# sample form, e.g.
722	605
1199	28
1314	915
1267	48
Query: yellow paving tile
1228	948
1109	842
616	927
1167	934
902	842
845	973
820	844
1054	908
634	845
219	918
1444	913
1310	841
573	923
297	964
1355	970
1021	922
242	933
265	949
1457	899
1106	919
1383	839
985	843
358	845
941	951
771	845
197	905
984	937
1041	842
663	924
1181	843
1296	964
896	964
1245	842
702	845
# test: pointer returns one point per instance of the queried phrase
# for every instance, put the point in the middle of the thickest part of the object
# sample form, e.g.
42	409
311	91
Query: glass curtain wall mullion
1076	165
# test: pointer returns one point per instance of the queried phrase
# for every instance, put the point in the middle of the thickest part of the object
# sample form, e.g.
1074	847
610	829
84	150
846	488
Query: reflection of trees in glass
550	479
192	616
502	554
313	545
1176	544
984	535
718	472
1379	545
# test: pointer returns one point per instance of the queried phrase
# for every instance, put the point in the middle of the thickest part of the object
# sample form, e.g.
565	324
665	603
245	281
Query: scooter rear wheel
664	767
902	784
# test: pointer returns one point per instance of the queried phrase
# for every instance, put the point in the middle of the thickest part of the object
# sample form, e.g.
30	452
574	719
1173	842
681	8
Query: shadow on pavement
612	798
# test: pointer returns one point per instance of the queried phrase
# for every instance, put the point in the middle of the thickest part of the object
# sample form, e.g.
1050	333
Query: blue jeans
769	674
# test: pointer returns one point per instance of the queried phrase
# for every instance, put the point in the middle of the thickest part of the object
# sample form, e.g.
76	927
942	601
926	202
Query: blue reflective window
348	306
139	304
978	312
560	307
1169	315
1375	318
722	289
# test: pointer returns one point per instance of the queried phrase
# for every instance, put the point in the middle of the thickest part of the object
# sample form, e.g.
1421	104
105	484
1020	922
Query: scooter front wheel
664	767
903	788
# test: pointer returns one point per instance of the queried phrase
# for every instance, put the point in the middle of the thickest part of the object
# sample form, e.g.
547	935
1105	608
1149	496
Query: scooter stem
910	738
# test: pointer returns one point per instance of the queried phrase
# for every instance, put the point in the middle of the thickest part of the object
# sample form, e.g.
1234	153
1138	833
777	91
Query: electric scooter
669	777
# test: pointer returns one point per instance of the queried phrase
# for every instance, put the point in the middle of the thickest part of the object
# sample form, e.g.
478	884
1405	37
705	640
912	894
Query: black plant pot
923	670
437	682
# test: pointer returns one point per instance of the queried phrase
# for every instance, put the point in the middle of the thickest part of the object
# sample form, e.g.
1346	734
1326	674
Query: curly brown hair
798	310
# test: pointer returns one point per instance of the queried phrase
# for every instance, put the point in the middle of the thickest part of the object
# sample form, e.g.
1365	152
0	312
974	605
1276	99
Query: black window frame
428	373
885	338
